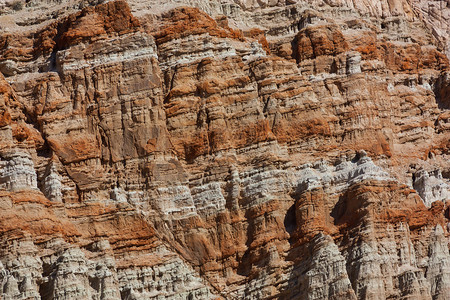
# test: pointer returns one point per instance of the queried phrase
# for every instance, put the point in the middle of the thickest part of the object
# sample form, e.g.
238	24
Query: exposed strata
183	154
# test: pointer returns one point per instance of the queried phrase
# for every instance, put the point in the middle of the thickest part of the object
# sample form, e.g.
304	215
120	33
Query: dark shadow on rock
289	220
442	91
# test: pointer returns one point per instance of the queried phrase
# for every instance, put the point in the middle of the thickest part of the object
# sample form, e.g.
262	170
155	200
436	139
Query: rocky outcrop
235	150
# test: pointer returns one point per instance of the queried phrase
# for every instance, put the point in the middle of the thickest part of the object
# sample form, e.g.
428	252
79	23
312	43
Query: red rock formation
181	22
201	156
321	40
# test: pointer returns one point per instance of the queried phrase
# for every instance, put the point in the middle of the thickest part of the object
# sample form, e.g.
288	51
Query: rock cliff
191	149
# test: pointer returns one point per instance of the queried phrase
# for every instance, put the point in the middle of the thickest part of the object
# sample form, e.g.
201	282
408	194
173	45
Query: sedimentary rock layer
224	150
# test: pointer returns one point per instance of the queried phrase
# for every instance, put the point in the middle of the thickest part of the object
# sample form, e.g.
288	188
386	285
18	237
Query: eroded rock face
235	150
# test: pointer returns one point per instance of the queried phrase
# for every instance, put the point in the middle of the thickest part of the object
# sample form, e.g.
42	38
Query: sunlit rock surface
191	149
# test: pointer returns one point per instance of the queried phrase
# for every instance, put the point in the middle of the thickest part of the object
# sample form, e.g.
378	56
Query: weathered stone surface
224	150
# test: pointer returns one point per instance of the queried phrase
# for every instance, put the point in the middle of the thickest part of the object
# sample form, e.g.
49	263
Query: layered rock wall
235	150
